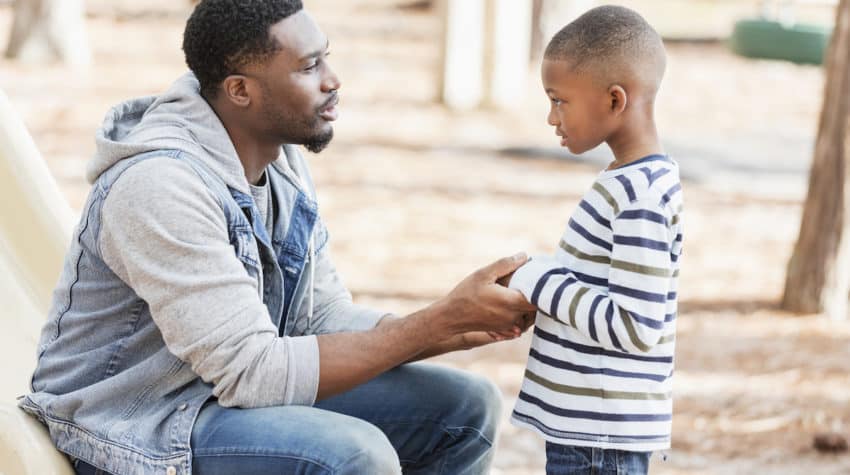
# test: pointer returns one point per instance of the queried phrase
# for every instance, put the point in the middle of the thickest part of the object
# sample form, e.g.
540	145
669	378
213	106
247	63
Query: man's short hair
610	41
222	36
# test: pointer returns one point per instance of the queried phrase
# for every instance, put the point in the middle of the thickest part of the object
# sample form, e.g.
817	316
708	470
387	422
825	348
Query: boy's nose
552	118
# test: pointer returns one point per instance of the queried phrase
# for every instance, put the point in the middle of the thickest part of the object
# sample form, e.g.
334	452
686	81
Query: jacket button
171	470
182	407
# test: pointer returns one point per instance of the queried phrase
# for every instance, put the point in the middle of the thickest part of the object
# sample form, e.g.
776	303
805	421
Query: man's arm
477	304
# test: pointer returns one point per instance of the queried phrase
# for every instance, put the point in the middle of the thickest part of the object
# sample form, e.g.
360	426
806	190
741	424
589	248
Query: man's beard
298	129
318	142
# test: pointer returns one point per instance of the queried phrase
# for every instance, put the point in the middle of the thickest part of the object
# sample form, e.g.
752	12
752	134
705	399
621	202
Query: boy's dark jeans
570	460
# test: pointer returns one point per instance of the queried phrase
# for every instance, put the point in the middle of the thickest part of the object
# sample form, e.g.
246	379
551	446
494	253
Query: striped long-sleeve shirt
601	361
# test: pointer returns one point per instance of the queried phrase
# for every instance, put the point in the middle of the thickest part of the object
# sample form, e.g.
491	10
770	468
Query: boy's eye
555	101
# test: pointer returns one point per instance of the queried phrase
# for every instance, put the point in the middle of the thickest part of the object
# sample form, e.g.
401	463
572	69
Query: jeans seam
469	429
345	462
271	455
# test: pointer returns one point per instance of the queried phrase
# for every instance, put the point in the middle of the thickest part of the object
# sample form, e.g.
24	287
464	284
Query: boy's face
580	108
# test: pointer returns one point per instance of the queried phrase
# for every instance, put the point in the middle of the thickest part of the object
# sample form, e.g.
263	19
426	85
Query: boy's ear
618	99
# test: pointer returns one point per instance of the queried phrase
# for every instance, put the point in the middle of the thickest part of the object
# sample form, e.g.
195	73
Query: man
199	325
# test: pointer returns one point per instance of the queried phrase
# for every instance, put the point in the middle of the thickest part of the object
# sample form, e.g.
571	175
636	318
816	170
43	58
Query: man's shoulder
159	184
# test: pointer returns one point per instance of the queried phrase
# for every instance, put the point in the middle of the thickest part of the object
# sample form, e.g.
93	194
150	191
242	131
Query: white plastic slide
35	231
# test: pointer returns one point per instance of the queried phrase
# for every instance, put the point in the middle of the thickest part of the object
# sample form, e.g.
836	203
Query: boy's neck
633	142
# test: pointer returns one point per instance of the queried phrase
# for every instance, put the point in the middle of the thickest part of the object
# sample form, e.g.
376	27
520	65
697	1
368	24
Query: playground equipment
778	35
35	229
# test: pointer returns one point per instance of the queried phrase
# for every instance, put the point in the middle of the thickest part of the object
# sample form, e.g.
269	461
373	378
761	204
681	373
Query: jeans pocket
567	460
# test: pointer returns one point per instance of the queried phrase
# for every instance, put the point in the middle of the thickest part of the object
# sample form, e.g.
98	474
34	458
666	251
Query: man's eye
312	66
555	102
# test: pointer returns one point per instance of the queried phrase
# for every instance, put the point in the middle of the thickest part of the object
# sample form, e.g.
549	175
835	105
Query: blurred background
443	162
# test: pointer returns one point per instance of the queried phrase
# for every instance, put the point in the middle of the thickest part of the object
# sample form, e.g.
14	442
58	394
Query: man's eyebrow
317	53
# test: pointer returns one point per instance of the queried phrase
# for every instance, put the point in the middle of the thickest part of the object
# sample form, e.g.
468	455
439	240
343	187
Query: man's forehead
299	36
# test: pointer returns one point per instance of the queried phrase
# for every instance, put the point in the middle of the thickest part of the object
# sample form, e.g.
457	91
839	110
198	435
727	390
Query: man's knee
483	405
367	450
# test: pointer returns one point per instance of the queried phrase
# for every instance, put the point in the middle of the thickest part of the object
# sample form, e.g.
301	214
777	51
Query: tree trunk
49	30
818	277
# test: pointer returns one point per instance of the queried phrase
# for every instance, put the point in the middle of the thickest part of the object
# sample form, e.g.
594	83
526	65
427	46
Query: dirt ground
417	196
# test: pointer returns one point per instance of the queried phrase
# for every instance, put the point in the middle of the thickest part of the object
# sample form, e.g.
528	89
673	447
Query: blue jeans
417	418
571	460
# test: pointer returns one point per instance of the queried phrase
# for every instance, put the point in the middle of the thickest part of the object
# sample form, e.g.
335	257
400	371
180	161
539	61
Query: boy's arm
631	316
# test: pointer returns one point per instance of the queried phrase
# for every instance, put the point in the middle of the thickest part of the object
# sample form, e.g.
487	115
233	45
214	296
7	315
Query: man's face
580	108
297	100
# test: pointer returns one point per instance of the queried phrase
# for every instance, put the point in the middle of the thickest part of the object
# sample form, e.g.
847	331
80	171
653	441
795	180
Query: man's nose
330	82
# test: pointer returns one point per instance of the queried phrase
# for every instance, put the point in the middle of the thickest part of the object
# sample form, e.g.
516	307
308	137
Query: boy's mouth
563	137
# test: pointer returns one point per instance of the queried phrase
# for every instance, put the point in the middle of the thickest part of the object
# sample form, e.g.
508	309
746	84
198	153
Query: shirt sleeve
630	315
164	234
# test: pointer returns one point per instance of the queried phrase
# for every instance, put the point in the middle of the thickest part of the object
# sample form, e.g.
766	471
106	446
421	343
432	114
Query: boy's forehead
555	71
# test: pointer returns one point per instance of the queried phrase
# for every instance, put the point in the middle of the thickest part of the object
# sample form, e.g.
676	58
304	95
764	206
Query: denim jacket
174	292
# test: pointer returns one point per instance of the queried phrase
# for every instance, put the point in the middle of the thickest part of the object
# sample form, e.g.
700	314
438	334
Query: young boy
598	382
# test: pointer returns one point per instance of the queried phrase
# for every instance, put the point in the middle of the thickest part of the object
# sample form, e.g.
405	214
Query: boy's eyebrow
317	53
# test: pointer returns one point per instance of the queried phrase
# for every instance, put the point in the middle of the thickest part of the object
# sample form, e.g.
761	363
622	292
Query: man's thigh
424	409
287	439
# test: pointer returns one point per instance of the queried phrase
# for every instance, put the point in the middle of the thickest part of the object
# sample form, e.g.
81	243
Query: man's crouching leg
440	420
288	439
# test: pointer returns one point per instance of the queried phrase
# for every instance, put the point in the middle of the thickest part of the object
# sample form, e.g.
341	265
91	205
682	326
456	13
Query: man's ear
618	99
234	88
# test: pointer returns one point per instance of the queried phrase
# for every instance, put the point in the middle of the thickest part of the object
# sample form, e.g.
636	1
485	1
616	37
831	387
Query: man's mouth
329	112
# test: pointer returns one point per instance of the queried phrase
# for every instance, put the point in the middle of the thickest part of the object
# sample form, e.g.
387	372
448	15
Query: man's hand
478	303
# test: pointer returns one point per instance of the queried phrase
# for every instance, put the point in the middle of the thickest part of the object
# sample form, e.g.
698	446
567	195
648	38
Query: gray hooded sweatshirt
168	295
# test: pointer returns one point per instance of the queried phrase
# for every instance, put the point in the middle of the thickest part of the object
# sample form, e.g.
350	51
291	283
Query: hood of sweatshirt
179	119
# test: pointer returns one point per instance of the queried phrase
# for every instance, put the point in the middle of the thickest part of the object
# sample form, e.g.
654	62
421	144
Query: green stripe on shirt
594	392
581	255
640	269
610	199
574	304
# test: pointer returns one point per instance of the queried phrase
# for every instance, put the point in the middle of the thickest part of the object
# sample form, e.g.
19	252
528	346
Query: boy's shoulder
652	185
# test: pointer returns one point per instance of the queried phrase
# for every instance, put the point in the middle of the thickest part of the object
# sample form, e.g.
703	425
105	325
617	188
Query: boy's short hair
613	43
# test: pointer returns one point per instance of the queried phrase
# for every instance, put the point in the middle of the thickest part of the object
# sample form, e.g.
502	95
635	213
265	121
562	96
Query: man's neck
255	157
254	153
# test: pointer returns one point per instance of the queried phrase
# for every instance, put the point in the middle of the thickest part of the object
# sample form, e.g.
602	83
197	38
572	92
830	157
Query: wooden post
463	53
818	278
510	42
49	30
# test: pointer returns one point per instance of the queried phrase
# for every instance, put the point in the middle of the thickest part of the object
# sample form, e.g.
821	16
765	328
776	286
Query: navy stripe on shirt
589	209
594	350
586	435
535	295
609	316
556	297
627	185
596	416
641	242
643	214
639	294
556	363
590	237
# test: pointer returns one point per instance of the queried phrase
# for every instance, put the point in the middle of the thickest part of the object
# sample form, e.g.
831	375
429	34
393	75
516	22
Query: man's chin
318	142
